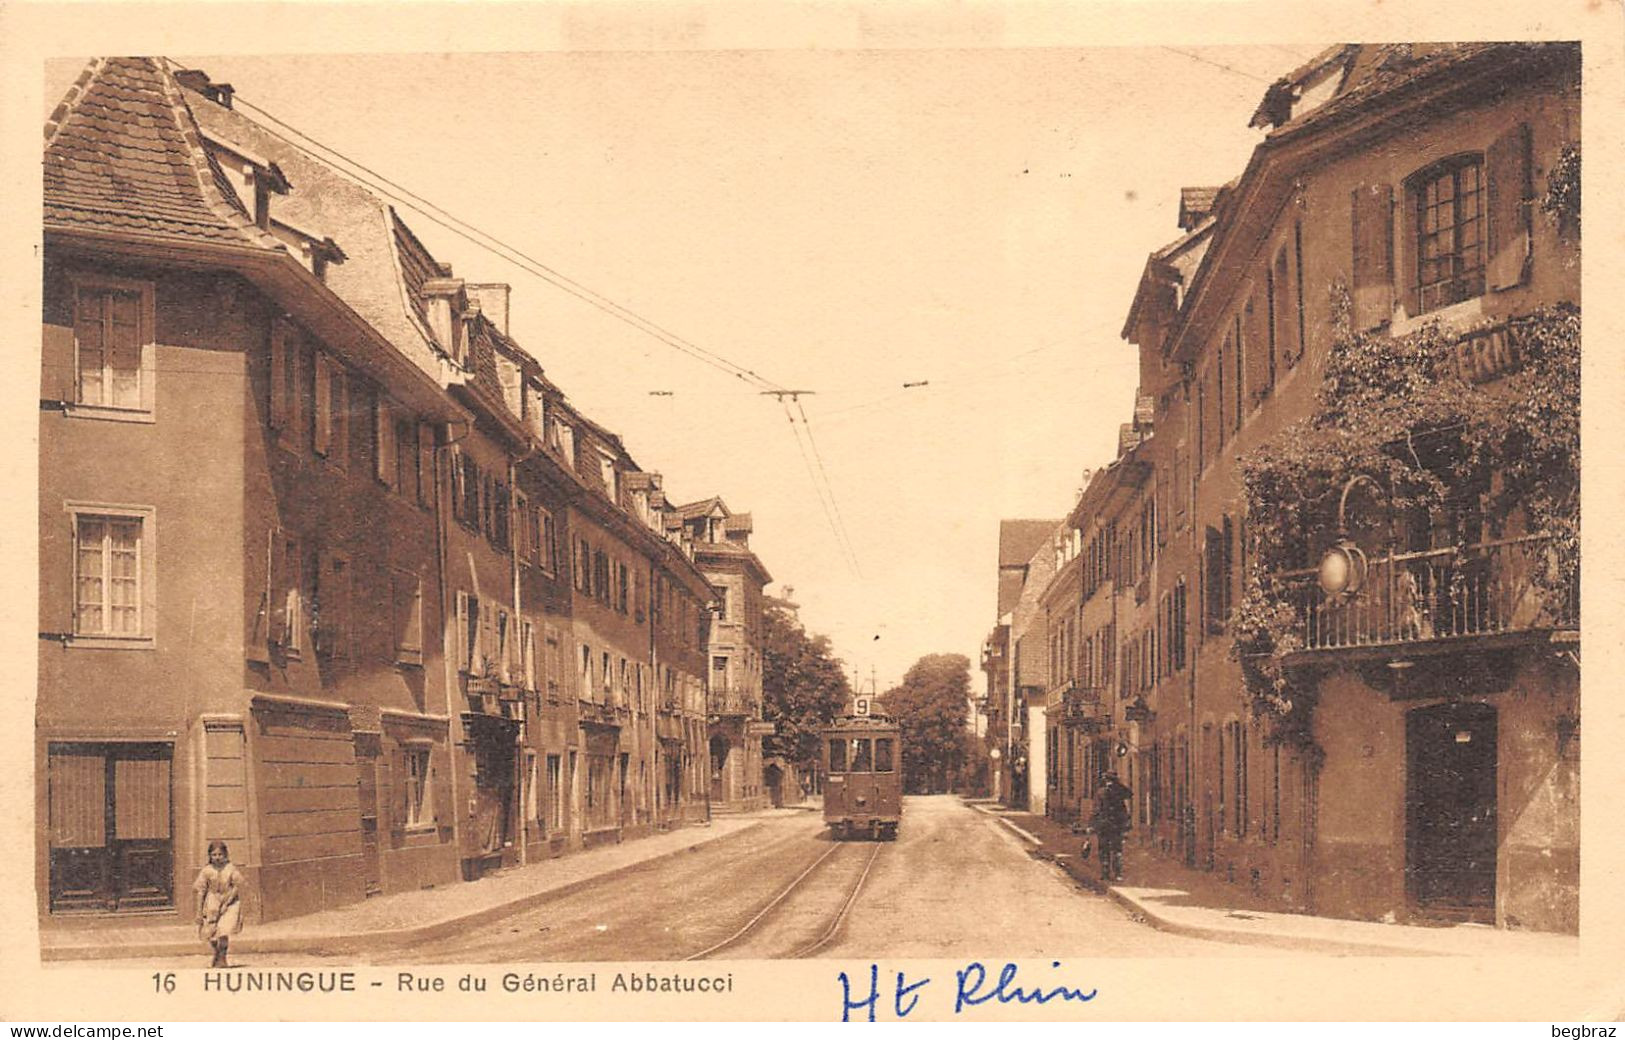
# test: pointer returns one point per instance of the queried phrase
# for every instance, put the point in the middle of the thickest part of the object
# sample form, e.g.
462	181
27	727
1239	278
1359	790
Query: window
555	792
543	540
287	592
330	606
470	654
586	671
1297	282
883	754
425	465
1218	576
287	390
606	674
527	654
524	529
113	347
419	788
410	479
1449	207
112	578
406	596
385	457
860	755
332	431
1241	370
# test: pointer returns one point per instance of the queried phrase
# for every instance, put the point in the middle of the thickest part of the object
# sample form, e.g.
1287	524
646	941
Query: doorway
1450	812
111	827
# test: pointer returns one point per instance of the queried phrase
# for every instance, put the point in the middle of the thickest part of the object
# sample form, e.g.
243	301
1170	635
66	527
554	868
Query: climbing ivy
1562	198
1394	408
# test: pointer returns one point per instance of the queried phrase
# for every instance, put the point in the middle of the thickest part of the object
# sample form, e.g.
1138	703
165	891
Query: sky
839	222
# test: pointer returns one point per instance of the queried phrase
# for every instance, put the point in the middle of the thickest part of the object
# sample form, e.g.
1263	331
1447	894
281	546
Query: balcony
1437	596
732	701
1080	702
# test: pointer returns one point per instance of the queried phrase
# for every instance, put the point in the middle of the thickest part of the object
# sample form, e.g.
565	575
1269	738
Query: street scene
1170	562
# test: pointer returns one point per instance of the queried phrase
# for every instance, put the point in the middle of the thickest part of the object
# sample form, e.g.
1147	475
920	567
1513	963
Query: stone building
388	541
1395	735
720	541
1019	540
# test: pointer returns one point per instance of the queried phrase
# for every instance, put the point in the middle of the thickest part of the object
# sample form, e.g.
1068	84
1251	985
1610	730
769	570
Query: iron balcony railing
730	700
1416	597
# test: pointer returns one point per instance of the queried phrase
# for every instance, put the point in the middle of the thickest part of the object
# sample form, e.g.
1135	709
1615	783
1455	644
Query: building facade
334	536
1351	683
720	542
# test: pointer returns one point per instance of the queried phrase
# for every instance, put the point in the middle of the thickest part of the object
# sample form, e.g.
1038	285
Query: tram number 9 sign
860	706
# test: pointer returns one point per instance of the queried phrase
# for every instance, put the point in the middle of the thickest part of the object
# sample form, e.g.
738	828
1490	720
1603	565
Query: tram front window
860	755
837	756
883	756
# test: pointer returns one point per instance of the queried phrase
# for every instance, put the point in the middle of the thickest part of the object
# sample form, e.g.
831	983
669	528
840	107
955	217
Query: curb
1236	936
352	942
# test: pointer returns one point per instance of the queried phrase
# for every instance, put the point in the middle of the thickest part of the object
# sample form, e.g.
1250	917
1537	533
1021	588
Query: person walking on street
1110	821
219	901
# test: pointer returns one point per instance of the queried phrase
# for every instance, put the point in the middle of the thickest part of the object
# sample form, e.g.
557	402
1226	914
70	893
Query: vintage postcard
845	513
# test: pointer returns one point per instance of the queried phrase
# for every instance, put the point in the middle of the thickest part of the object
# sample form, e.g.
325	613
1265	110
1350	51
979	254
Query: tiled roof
1376	69
417	265
1019	539
122	155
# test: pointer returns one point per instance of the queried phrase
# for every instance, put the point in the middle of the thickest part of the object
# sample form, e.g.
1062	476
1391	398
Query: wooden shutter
140	798
457	493
1373	227
462	642
438	786
324	406
279	373
383	441
256	641
1260	364
400	781
426	488
280	588
78	796
1507	172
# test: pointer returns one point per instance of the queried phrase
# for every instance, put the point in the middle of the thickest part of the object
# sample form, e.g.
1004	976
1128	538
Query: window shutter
1256	332
457	492
279	367
280	582
399	797
1507	171
1373	225
461	644
324	406
439	782
383	420
256	644
426	488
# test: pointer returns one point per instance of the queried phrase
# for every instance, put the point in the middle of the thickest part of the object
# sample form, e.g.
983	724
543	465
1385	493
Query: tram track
806	887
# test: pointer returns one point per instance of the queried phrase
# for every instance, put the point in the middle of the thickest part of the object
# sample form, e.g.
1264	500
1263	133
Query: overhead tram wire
830	484
818	490
487	241
517	257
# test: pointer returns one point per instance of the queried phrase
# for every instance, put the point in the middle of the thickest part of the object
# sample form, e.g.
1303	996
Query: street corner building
330	570
721	548
1321	612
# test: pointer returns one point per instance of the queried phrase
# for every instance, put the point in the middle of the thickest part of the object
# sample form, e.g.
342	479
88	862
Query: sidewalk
402	917
1174	898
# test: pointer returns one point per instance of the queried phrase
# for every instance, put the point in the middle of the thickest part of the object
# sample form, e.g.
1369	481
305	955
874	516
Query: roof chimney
493	300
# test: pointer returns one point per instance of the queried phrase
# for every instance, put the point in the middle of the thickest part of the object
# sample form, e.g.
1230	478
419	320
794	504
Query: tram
863	774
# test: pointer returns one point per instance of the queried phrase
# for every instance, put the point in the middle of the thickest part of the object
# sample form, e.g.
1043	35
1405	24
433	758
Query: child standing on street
219	901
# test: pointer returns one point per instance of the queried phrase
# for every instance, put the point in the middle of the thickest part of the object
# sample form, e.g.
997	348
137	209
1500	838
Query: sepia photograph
619	512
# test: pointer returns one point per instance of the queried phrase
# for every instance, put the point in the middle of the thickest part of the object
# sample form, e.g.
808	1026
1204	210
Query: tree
803	685
931	708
